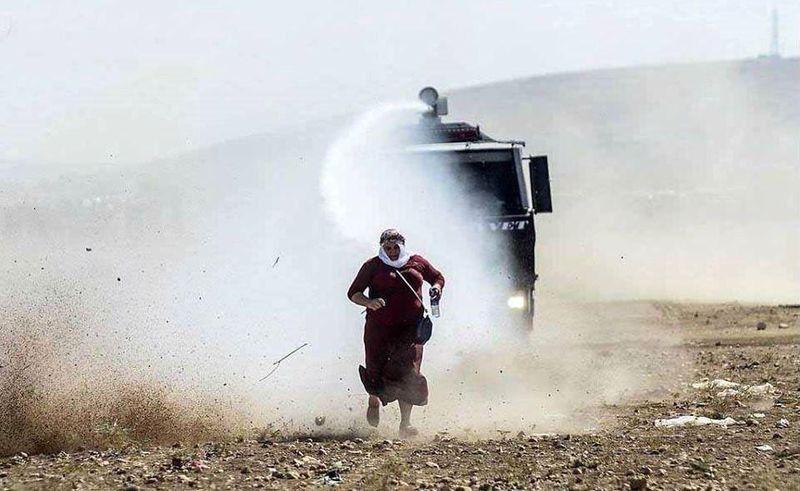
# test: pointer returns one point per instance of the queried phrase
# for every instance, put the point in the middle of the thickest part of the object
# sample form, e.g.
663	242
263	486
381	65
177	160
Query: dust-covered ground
759	449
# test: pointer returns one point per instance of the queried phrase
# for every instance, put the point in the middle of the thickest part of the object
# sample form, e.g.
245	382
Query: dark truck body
513	188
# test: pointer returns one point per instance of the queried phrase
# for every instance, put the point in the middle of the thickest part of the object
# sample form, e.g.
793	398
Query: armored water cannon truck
513	187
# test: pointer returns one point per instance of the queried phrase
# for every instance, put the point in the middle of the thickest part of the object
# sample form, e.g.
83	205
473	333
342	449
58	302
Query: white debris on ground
694	421
733	389
758	415
782	423
715	384
764	448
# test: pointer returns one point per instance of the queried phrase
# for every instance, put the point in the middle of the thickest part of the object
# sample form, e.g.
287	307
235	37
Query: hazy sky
126	81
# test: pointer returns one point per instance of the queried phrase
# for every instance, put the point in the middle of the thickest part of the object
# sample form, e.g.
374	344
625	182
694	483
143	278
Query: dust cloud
670	182
60	391
177	284
186	279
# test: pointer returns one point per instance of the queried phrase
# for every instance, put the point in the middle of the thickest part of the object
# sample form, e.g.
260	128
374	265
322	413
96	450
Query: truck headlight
517	302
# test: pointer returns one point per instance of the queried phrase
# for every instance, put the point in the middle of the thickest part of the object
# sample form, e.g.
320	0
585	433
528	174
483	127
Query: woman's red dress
393	358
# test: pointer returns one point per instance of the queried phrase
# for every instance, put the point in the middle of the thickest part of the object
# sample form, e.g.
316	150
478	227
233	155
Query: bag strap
412	289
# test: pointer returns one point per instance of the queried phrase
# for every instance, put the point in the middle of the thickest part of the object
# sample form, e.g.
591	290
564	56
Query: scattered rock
197	465
782	423
310	461
637	483
183	478
789	452
761	326
783	325
292	474
760	390
319	420
432	465
332	477
764	448
699	465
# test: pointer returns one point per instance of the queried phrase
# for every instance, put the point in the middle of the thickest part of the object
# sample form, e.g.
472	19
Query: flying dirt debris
277	363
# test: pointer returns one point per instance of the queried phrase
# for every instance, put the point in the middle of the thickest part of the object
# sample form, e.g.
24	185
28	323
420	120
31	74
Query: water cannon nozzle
429	96
438	105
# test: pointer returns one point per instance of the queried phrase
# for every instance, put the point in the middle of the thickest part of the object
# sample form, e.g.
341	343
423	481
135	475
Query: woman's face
392	250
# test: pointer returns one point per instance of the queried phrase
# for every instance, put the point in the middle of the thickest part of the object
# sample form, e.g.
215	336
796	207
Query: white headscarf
401	260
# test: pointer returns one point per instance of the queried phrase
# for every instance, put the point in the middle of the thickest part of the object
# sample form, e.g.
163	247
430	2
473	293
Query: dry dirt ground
760	451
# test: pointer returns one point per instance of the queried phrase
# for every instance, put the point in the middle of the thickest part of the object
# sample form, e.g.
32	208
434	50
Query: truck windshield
490	176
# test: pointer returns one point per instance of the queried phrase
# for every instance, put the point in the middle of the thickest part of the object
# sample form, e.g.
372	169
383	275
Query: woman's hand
370	303
435	292
375	304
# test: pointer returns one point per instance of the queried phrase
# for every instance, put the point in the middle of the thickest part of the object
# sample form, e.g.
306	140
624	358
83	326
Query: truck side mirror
540	184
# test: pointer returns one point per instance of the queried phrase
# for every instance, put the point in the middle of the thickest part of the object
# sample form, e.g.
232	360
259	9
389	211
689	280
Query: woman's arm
432	276
361	282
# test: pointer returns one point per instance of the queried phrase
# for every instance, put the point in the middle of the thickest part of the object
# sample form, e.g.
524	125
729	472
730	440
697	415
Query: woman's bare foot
374	411
408	432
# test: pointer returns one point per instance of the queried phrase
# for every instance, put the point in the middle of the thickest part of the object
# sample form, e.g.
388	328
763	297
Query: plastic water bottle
434	304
